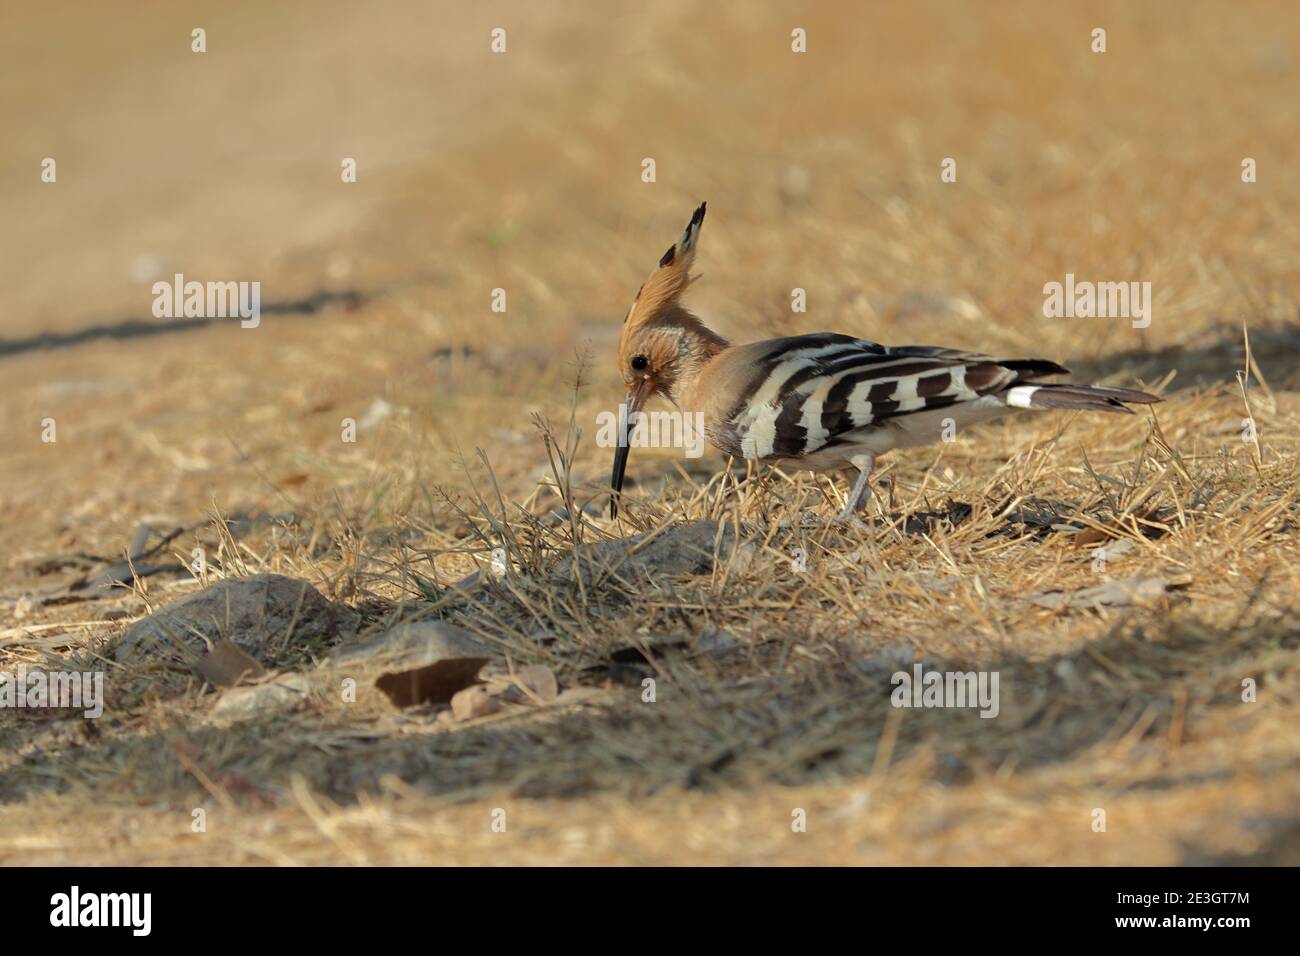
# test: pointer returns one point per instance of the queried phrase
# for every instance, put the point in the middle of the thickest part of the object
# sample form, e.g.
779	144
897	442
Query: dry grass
821	172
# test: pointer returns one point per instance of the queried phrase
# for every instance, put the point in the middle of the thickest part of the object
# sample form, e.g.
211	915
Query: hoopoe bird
823	402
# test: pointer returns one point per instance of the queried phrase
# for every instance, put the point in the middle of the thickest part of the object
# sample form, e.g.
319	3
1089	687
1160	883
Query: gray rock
414	644
259	614
716	643
684	549
888	659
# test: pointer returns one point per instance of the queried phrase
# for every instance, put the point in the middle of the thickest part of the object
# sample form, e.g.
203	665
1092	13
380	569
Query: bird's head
661	341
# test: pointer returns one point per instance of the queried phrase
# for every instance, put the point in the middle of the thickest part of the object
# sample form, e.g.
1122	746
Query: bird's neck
697	345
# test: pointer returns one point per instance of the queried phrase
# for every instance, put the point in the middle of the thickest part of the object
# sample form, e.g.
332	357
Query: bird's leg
865	463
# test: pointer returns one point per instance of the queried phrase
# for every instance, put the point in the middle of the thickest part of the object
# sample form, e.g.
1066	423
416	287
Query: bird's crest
660	292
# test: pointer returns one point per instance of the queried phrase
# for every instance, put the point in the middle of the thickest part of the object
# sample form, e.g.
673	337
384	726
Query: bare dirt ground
522	171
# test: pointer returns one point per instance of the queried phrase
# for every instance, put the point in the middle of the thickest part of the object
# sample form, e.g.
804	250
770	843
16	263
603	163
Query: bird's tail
1096	397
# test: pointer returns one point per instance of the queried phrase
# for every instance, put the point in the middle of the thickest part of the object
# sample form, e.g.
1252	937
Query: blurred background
522	171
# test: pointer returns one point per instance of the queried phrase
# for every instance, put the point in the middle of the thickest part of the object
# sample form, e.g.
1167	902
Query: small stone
376	413
469	583
473	702
796	185
888	659
716	643
259	700
226	665
534	684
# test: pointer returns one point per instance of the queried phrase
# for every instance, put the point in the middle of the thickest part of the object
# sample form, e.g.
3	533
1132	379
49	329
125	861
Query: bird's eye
639	362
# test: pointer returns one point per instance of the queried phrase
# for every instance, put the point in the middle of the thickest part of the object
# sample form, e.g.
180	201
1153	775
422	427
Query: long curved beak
636	397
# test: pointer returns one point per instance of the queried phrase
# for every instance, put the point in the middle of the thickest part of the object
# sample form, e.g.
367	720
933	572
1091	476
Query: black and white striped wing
813	389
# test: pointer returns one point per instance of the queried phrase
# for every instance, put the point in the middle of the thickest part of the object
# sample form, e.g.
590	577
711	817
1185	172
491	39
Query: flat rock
414	644
420	662
259	615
